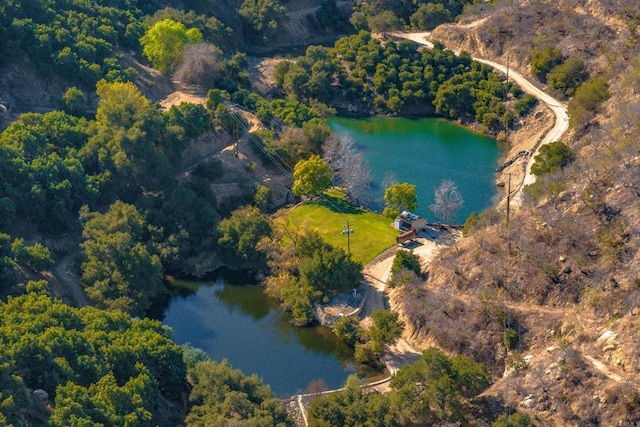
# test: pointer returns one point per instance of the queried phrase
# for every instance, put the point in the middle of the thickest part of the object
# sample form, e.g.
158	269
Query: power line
280	163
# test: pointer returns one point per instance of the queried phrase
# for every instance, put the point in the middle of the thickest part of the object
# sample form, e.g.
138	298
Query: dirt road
558	108
377	273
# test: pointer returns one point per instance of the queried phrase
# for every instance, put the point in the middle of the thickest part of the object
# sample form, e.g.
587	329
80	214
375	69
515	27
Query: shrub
543	61
587	101
511	338
567	77
209	169
471	224
524	105
405	260
551	157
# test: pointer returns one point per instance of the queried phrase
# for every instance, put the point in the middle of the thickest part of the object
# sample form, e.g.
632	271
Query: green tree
311	177
224	396
164	43
240	234
543	61
436	383
37	256
525	104
119	271
586	101
99	368
405	260
348	327
73	101
124	151
566	77
400	197
551	157
384	22
193	118
429	15
454	98
261	18
386	329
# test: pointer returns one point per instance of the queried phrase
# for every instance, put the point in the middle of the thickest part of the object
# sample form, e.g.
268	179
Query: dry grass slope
565	275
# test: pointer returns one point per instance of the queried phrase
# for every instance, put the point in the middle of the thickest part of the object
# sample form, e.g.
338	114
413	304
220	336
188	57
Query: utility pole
508	198
235	139
348	231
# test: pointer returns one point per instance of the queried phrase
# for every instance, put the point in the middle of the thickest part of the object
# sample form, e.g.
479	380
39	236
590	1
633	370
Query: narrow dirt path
70	281
559	109
603	369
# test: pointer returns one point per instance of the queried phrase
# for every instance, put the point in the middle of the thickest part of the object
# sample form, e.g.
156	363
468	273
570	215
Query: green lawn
372	233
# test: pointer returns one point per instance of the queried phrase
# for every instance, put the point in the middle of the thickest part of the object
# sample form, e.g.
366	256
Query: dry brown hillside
562	281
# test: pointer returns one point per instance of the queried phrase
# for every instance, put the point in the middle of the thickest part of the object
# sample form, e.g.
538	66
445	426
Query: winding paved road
558	108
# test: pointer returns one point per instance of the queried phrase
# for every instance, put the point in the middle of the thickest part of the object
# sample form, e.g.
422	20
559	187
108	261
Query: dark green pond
240	324
424	152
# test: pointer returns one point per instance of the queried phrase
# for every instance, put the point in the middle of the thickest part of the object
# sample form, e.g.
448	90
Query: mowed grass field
372	233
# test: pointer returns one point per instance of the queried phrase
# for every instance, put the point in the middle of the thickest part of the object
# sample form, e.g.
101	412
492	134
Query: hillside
563	279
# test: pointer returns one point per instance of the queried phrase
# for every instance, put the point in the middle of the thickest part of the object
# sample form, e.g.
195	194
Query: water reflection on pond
240	324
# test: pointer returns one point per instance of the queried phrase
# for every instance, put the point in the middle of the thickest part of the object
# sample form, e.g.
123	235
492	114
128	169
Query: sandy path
377	274
558	108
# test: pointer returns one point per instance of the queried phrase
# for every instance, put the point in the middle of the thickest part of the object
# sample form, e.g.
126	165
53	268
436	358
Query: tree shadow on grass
338	204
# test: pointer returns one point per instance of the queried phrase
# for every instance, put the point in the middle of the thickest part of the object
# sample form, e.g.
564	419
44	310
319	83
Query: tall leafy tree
122	151
400	197
163	44
311	177
119	270
240	234
386	329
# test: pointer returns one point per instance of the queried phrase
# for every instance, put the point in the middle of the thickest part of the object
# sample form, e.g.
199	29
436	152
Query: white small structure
409	221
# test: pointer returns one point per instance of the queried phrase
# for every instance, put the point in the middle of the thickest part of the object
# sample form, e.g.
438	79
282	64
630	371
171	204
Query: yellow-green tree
311	176
400	197
164	43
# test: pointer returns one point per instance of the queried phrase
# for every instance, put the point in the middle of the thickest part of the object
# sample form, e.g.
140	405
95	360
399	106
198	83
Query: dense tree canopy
73	37
97	367
43	177
224	396
120	270
260	18
392	77
306	270
432	391
239	237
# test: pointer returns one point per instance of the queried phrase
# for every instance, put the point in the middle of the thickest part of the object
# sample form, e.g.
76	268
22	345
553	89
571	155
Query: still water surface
240	324
424	152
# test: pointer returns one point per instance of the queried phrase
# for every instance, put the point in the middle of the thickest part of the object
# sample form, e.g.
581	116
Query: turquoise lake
424	152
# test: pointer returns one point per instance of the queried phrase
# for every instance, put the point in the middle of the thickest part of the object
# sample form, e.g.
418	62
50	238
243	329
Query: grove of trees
434	390
305	270
393	77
